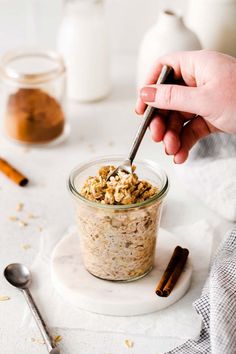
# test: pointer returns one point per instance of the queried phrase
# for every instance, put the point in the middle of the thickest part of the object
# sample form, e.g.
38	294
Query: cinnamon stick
176	273
169	270
172	272
12	173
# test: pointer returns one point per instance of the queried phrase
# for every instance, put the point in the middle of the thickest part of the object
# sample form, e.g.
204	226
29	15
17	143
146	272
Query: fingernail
148	94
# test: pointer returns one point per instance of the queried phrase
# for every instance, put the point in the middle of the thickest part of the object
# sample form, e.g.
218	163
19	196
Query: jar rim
84	165
13	75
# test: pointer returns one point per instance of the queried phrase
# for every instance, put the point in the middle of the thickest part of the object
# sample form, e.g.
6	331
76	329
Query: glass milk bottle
82	41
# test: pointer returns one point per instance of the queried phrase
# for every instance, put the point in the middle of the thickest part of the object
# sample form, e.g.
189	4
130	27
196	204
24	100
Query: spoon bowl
125	167
18	275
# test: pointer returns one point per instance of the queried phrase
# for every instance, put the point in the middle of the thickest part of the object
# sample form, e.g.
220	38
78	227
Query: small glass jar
33	86
118	241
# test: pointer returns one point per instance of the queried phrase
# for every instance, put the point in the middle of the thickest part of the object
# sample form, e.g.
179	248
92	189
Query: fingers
193	131
182	64
167	129
158	128
158	125
192	97
171	138
175	97
178	138
151	79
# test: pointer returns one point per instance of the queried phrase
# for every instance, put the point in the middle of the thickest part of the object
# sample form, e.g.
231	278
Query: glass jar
118	241
33	87
82	41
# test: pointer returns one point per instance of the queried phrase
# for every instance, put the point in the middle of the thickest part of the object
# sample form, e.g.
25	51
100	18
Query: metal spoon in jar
19	276
126	165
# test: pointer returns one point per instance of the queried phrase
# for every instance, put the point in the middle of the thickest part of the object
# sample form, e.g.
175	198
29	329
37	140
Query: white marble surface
84	291
197	238
97	129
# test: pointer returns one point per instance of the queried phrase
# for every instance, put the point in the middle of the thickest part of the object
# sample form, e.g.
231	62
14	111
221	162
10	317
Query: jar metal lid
15	66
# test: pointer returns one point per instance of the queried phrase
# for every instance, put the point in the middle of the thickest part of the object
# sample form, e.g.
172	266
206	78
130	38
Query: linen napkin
197	237
210	173
217	305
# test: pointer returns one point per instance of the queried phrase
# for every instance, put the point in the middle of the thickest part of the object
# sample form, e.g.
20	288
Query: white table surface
105	127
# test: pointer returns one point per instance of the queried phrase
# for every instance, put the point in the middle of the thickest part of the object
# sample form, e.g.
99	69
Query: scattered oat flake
13	218
40	228
37	340
110	143
26	246
57	339
22	223
129	343
25	150
4	298
32	216
19	207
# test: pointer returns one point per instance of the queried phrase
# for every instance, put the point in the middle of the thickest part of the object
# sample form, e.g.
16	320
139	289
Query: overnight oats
118	219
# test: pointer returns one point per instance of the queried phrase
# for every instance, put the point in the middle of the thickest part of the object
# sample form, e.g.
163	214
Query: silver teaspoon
19	276
126	165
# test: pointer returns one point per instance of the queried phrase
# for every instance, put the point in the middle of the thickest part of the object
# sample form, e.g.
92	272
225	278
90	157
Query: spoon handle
40	322
148	115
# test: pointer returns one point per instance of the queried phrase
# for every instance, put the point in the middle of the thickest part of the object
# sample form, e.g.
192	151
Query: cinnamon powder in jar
33	116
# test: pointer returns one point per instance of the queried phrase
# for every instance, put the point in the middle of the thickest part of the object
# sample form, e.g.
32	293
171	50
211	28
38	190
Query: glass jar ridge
8	73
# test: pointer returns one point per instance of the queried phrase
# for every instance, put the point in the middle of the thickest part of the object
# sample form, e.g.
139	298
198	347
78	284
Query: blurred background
90	50
36	22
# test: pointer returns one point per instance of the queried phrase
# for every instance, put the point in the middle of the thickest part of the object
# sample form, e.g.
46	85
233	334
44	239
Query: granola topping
122	189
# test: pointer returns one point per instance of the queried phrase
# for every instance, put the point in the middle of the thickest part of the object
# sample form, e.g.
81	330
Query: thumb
173	97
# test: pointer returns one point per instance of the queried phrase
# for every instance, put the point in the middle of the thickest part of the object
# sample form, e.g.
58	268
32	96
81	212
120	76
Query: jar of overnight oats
117	235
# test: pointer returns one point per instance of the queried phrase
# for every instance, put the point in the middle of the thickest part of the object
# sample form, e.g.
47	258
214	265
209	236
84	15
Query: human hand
203	103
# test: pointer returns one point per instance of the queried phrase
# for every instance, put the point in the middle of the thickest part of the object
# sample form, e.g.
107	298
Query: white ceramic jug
169	34
214	21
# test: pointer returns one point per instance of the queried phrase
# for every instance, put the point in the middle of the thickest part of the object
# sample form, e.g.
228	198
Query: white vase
214	21
169	34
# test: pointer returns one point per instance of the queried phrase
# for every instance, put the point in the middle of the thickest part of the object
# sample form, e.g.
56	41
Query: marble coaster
83	290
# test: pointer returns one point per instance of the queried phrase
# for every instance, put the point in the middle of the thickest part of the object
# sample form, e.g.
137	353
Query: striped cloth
217	306
210	172
220	146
